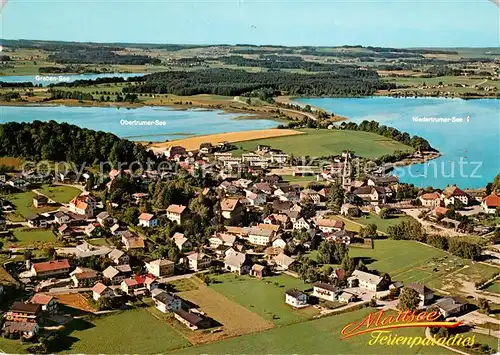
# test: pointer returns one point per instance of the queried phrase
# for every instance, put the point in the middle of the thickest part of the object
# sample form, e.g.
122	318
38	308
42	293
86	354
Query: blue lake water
476	143
45	79
166	123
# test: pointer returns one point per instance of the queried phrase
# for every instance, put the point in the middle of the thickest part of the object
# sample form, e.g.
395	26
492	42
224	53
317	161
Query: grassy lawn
61	194
8	346
265	297
321	143
382	224
300	180
129	332
319	336
35	237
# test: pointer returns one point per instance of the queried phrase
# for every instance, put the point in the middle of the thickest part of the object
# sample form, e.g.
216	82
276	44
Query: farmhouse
426	295
430	200
175	213
25	329
47	302
325	291
221	239
39	201
371	194
451	194
296	298
191	320
50	268
198	261
82	205
237	262
368	281
451	306
23	312
118	257
160	267
165	302
61	218
283	261
260	236
329	225
301	223
491	203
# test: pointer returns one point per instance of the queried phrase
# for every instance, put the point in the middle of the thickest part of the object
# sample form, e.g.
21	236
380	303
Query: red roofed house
175	212
147	220
138	284
452	194
101	290
50	268
432	199
48	303
491	203
83	277
82	205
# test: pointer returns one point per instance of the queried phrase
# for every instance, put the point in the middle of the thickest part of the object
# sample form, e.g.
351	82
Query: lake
58	78
470	149
164	123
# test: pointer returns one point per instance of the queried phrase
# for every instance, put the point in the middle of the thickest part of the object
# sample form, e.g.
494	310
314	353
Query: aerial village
128	240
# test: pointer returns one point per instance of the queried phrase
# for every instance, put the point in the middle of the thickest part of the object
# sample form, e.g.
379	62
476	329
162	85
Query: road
431	227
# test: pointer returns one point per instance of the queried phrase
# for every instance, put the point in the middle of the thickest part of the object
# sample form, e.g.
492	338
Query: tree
384	213
370	231
484	305
335	197
330	252
409	299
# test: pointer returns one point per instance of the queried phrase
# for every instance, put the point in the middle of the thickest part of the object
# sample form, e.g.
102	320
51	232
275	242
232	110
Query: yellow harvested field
193	143
233	318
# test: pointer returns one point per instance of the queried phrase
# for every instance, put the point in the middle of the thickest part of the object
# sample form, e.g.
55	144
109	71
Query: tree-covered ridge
100	56
415	142
345	81
64	142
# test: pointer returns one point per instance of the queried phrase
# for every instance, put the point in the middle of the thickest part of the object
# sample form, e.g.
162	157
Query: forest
100	56
64	142
345	81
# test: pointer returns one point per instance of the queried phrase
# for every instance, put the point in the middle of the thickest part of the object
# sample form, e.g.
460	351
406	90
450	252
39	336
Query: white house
100	290
426	295
431	200
198	261
175	213
147	220
165	302
329	225
491	203
452	194
325	291
301	223
260	236
296	298
368	281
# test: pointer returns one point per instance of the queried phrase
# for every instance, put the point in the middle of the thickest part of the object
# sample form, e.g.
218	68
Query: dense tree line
100	56
75	95
415	142
98	81
16	85
64	142
4	58
281	62
343	82
413	230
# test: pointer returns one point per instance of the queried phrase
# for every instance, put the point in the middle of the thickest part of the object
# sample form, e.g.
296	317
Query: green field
60	194
319	336
265	297
34	237
129	332
322	143
494	287
24	205
382	224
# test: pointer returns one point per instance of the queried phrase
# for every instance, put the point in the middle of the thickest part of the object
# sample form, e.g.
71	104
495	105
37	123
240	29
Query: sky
418	23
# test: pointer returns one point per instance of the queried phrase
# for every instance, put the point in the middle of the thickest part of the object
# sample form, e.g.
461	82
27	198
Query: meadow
265	297
60	194
129	332
322	143
494	287
319	336
24	208
33	238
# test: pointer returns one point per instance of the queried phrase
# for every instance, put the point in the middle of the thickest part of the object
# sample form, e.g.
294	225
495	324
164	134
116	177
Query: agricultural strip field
129	332
322	143
319	336
233	319
265	297
193	143
33	238
60	194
